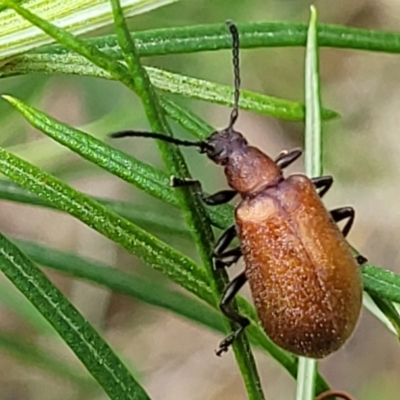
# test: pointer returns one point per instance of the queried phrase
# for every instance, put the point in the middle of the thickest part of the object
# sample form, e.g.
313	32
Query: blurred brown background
173	358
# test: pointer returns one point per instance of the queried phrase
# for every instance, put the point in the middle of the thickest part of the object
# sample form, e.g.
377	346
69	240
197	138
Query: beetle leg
340	214
347	212
224	196
222	244
228	295
285	157
322	182
224	241
228	258
361	259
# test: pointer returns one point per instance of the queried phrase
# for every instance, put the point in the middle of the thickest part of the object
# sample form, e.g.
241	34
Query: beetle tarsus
225	305
322	182
228	341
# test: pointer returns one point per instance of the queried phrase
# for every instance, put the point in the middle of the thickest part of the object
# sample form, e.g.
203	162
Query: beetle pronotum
304	279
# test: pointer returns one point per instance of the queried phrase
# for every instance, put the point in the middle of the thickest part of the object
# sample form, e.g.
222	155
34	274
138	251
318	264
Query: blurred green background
174	359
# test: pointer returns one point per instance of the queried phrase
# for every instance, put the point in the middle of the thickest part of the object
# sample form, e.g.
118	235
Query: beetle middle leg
228	295
322	182
339	214
221	197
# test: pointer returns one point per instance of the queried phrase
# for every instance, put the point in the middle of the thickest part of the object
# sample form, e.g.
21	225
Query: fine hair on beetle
304	279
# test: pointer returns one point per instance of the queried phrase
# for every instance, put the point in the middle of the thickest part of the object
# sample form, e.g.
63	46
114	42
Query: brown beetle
304	279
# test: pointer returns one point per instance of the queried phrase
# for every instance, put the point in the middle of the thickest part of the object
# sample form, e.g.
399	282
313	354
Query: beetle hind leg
225	305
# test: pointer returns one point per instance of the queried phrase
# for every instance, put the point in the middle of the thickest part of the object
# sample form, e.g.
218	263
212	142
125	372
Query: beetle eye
215	151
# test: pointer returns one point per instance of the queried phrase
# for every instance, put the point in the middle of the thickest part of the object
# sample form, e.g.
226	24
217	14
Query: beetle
305	281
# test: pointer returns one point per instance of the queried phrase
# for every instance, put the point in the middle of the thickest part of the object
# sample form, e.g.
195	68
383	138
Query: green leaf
313	166
136	213
156	295
313	126
381	282
151	250
118	281
130	169
166	81
197	38
388	309
191	204
79	16
83	340
221	94
30	354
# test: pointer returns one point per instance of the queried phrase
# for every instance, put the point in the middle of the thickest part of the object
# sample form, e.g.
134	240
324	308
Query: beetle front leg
224	196
285	158
228	295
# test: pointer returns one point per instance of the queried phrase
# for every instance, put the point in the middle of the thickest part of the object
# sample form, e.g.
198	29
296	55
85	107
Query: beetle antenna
236	71
202	146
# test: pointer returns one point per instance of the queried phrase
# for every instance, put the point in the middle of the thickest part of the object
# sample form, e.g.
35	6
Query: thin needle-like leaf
128	168
156	295
166	81
313	166
151	250
83	340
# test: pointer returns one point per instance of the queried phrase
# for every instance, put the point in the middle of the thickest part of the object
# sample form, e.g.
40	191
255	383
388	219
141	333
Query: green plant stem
198	38
313	165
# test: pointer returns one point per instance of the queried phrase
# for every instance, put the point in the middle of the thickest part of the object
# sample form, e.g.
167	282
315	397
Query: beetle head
220	145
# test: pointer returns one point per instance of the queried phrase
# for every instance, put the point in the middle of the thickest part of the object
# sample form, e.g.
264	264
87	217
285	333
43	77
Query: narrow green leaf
130	169
221	94
133	212
151	250
79	16
17	304
122	282
313	127
115	68
370	305
165	81
193	210
313	166
140	174
383	283
307	372
156	295
196	38
31	355
388	309
191	204
83	340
